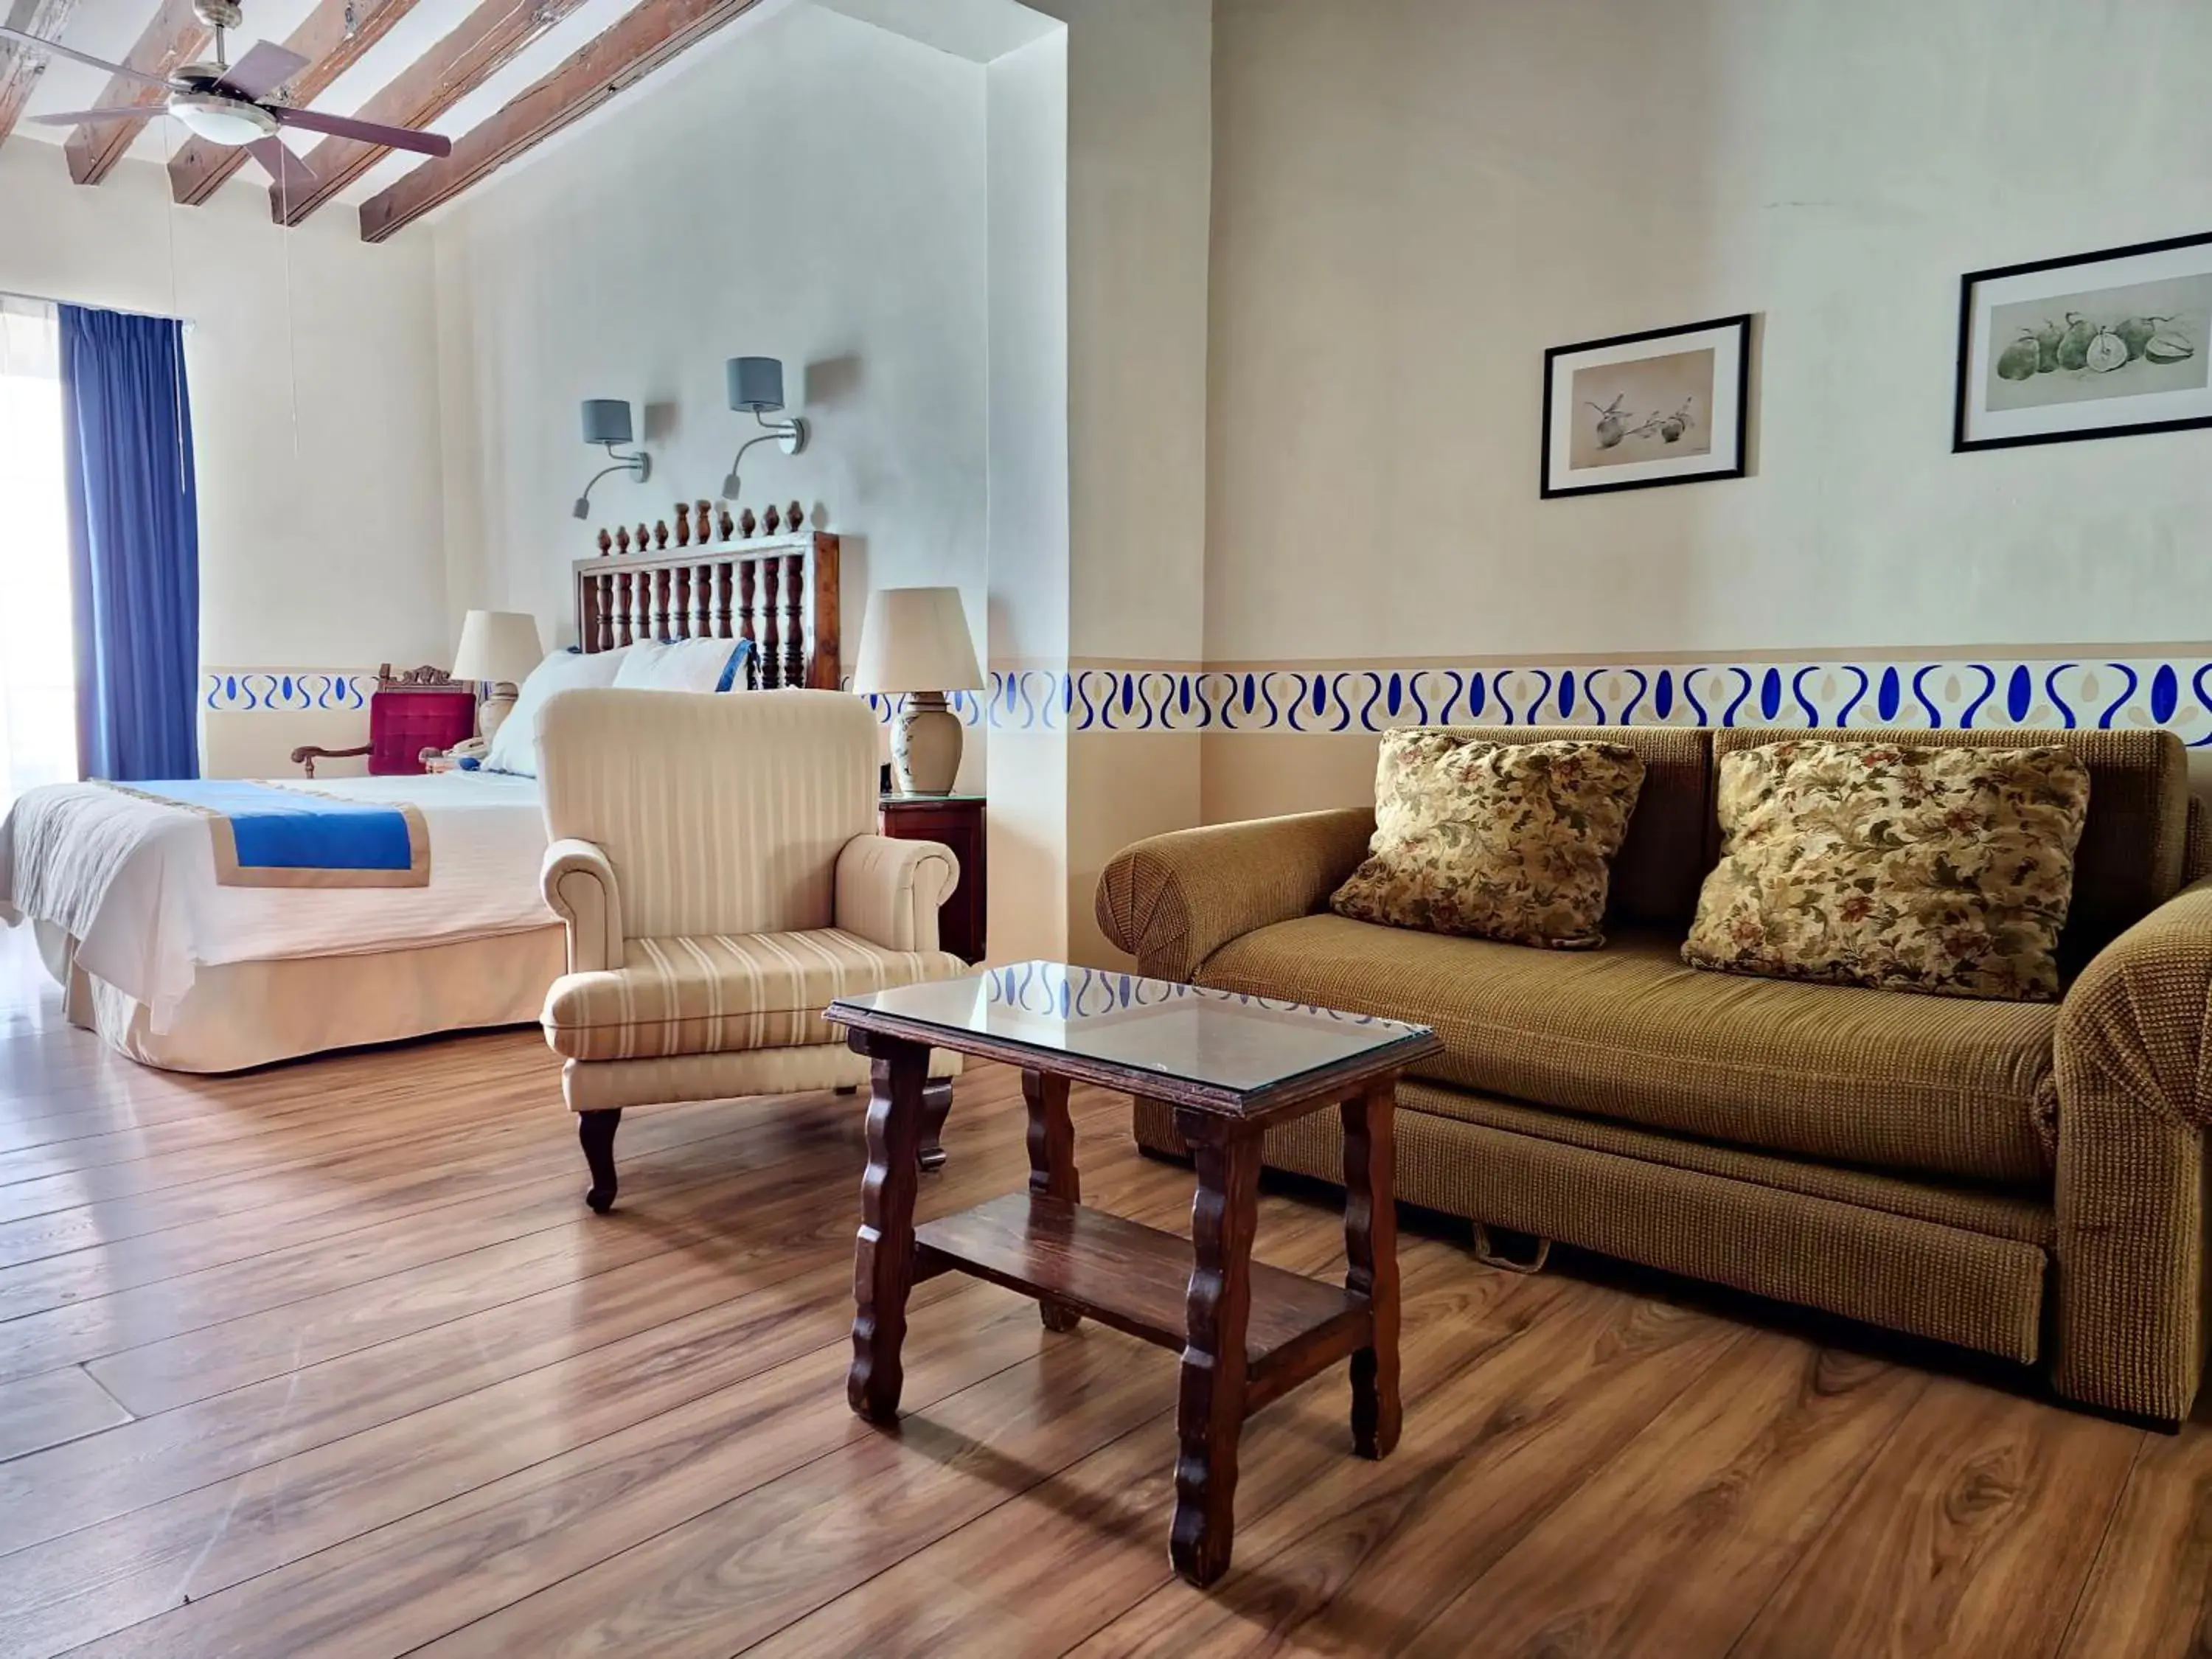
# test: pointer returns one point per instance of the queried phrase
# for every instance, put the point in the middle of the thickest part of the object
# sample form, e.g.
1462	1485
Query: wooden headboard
769	580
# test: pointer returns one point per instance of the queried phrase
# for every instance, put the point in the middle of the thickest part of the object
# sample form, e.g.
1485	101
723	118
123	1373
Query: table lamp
500	647
915	640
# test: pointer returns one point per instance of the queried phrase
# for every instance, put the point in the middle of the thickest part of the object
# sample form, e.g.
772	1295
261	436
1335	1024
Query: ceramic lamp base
492	711
926	740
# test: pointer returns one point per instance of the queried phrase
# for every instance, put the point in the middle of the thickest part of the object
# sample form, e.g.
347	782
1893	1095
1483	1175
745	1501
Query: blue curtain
133	543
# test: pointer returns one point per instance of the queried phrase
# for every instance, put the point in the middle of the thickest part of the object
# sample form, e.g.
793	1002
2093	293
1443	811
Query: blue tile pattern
236	691
2053	693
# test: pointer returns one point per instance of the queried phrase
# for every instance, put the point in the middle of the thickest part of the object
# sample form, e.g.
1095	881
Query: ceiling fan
234	104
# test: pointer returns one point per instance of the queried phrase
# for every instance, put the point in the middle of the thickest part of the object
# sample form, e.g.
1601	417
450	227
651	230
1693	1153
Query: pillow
1510	842
686	665
514	746
1947	870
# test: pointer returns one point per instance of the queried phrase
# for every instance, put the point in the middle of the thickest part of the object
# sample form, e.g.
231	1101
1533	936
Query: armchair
715	862
422	708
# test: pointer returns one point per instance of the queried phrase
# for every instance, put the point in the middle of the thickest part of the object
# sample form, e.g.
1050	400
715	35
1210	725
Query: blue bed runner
269	834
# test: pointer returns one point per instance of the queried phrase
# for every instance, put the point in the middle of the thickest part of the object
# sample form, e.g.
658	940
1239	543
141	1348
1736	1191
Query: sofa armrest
1172	901
577	881
2134	1064
889	892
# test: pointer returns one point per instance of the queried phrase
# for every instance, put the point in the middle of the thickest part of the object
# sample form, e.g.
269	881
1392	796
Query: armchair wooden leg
936	1106
596	1132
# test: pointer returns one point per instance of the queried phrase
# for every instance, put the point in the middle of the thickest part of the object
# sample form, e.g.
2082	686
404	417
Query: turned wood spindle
771	641
724	524
644	538
772	523
606	544
623	636
684	602
702	522
683	523
795	517
603	635
660	535
745	522
724	571
622	539
662	580
794	619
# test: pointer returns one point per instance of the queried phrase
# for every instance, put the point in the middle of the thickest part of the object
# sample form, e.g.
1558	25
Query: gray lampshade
756	383
606	421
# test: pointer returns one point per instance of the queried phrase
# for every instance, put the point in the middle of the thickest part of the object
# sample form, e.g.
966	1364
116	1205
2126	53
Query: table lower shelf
1136	1279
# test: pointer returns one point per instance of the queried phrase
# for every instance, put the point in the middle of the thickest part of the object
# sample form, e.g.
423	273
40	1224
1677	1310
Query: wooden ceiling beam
173	39
470	54
652	34
20	67
199	167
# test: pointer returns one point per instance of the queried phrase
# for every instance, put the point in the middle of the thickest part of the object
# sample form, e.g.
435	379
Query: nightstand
957	821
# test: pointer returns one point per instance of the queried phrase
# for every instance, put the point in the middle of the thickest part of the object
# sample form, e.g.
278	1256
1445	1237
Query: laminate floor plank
1971	1533
2149	1594
52	1409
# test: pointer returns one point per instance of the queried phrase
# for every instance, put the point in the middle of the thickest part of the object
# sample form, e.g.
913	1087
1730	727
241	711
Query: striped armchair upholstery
714	860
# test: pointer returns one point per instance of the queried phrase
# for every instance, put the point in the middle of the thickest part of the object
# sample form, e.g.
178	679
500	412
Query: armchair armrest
308	753
2134	1065
577	881
1172	901
888	891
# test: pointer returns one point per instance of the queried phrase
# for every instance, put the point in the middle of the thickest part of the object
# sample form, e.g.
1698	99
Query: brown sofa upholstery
2027	1179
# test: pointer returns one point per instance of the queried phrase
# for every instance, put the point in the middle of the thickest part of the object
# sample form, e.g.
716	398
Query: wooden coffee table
1231	1068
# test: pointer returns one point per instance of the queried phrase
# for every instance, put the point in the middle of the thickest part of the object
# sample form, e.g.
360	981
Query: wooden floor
330	1359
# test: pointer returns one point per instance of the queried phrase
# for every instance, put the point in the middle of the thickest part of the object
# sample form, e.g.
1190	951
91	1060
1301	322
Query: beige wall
1413	199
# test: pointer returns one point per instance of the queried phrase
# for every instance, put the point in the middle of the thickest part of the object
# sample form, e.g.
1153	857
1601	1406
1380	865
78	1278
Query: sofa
2026	1179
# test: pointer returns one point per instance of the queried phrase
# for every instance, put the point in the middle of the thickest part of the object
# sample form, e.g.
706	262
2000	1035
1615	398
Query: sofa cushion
1666	853
2133	842
1883	1079
724	992
1895	865
1501	841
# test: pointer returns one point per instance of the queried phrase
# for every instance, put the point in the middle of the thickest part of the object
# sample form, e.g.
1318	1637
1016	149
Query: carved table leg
883	1262
1210	1410
595	1133
1052	1164
936	1107
1370	1249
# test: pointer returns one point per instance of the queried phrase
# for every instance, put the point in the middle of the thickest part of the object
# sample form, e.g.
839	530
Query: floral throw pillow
1510	842
1940	870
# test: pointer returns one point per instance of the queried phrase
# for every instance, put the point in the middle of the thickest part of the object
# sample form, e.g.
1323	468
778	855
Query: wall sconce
757	384
606	421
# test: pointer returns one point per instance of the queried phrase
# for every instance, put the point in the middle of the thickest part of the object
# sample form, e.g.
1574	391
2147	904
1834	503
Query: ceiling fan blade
266	66
293	177
73	117
370	132
39	44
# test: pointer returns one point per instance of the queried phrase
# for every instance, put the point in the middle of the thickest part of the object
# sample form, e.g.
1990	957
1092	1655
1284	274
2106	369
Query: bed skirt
253	1013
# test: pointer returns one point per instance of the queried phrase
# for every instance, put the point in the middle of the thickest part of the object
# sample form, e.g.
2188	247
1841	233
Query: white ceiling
109	28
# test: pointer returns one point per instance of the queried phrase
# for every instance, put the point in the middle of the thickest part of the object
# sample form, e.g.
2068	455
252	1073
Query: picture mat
1646	386
2043	287
1727	343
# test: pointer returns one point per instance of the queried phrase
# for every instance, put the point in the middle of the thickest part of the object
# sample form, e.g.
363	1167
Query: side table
957	821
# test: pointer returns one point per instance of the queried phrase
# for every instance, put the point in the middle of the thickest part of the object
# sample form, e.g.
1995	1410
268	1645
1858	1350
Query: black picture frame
1961	408
1548	490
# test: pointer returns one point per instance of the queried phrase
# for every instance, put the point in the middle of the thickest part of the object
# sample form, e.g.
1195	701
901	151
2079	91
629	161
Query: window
38	674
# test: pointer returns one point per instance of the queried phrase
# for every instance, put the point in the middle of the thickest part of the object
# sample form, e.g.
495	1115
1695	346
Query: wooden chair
422	708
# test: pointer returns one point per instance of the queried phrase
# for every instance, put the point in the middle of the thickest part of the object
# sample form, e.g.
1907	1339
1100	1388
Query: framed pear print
2094	345
1664	407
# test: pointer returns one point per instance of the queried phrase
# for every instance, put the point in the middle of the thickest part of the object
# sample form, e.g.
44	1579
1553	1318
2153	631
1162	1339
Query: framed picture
1641	409
2096	345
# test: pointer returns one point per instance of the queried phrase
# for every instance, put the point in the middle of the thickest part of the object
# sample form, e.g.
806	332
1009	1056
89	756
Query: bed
148	911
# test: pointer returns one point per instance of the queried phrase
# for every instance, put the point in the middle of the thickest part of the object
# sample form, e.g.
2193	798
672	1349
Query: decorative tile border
2054	693
282	690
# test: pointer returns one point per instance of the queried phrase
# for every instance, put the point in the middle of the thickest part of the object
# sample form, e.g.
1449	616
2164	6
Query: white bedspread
133	881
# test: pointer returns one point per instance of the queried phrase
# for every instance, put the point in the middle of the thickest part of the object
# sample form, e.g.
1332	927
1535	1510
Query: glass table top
1219	1040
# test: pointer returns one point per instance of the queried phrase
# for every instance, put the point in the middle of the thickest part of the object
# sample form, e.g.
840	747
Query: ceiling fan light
221	120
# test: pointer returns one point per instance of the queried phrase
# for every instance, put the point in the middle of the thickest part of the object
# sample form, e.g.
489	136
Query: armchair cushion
577	881
725	992
889	892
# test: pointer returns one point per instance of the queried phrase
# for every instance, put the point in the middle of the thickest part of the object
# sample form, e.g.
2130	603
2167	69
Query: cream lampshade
501	647
915	640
